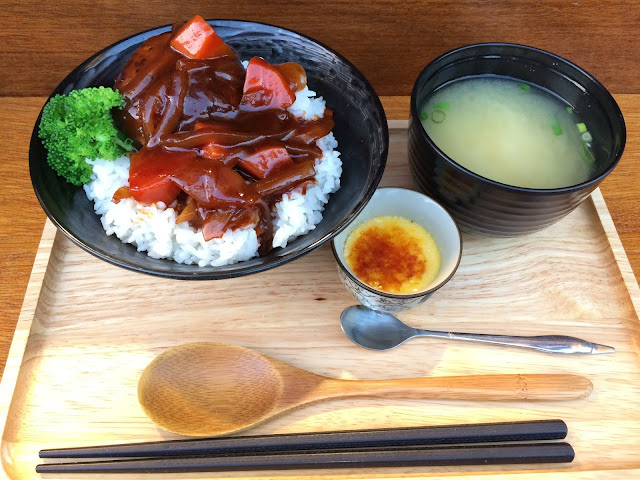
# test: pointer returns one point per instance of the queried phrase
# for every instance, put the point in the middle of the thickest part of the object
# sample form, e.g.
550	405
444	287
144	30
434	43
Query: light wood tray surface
87	329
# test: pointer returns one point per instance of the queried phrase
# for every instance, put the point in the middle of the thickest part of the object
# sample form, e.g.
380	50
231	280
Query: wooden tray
87	329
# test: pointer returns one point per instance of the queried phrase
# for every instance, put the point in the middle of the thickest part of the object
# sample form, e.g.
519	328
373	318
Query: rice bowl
360	128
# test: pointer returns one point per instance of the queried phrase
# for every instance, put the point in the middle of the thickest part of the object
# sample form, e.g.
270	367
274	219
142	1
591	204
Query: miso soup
510	132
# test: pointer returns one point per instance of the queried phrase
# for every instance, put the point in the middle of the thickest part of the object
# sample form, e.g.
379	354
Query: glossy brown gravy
202	141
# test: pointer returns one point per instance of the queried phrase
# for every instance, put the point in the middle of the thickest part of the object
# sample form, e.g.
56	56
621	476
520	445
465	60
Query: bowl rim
593	182
242	271
401	296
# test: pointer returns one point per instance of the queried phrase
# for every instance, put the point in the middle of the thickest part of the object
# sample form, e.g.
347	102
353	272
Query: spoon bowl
207	389
177	387
374	330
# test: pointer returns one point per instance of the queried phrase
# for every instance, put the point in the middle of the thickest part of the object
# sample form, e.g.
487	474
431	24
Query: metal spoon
382	331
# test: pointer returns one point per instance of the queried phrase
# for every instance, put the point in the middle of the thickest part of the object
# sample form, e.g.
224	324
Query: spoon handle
544	343
471	387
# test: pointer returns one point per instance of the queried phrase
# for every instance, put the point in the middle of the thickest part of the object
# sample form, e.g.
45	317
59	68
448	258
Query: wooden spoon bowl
178	388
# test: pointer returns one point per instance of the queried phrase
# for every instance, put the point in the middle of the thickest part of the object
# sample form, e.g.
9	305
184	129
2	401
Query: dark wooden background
389	41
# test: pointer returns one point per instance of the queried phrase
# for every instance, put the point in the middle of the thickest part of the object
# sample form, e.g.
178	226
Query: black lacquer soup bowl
484	206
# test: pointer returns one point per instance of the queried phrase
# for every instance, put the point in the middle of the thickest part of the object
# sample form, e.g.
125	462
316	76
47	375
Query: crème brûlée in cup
399	250
393	254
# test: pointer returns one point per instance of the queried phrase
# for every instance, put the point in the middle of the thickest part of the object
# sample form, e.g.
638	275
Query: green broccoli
78	126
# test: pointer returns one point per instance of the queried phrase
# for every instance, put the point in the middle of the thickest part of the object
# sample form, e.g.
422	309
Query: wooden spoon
207	389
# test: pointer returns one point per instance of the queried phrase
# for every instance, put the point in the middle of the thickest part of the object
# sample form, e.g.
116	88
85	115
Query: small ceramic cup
420	209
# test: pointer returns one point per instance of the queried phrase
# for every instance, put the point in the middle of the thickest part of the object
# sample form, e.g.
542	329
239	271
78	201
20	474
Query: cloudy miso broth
510	132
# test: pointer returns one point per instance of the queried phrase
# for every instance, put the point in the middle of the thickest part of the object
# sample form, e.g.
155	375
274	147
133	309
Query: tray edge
25	320
617	248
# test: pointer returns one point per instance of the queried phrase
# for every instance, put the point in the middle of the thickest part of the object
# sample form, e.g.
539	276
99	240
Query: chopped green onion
570	110
587	154
555	126
586	137
442	106
524	86
581	127
438	116
424	115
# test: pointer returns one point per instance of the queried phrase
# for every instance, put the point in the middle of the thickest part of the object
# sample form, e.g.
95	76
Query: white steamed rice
152	228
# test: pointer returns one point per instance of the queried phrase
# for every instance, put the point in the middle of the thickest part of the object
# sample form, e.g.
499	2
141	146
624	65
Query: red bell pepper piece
150	171
265	87
265	160
198	40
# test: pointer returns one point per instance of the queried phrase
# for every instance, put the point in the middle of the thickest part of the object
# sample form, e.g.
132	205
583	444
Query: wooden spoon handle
474	387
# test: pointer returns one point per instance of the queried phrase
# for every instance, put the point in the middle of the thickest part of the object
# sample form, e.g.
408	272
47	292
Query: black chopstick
526	453
412	436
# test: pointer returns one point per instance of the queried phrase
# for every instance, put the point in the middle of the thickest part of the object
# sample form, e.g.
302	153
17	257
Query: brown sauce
197	136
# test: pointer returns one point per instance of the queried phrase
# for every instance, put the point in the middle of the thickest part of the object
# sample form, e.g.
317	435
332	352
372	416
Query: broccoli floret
78	126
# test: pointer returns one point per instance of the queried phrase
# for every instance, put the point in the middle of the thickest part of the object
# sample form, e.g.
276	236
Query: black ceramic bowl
360	128
481	205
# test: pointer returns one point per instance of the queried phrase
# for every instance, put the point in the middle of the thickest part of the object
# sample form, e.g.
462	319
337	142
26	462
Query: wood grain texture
390	41
76	384
210	388
21	218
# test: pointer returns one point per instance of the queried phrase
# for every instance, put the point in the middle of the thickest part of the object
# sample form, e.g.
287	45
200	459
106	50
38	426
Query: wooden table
389	41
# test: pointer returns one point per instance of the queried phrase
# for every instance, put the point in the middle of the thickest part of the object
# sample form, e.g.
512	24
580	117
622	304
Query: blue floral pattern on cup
379	301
